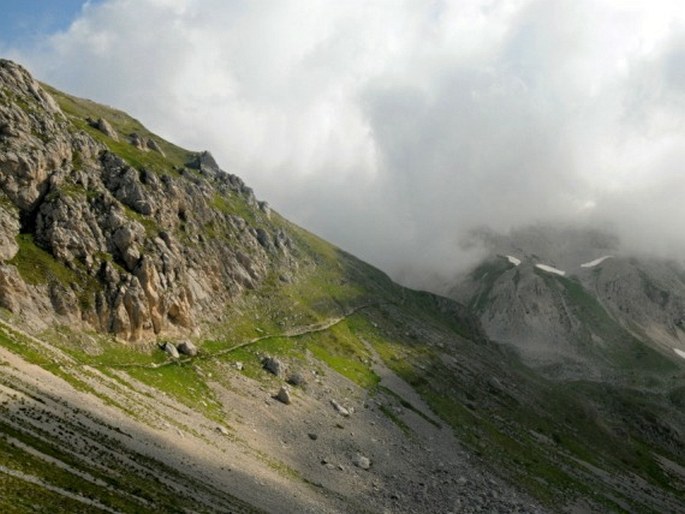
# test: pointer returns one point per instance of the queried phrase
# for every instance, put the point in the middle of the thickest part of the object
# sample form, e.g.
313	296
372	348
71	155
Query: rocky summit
168	343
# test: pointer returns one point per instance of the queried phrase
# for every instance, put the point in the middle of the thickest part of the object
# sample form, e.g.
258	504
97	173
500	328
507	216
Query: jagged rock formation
150	250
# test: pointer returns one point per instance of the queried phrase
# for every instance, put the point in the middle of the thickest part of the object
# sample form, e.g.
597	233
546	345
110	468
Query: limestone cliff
99	227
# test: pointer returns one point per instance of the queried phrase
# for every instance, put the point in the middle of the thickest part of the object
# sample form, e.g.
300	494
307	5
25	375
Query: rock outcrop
149	249
104	126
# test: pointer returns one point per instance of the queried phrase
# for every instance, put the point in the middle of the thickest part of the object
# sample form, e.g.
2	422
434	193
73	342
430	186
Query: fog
394	128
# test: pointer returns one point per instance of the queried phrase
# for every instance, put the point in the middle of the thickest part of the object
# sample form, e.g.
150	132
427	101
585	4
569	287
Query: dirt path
292	334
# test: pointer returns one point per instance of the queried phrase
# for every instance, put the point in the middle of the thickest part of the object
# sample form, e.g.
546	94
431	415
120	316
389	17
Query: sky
393	128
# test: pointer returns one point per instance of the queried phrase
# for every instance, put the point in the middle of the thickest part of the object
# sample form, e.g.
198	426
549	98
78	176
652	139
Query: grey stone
171	350
153	145
273	366
187	348
361	461
104	126
283	395
340	409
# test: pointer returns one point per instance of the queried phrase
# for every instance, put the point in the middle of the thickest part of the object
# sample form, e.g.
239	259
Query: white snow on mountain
594	263
550	269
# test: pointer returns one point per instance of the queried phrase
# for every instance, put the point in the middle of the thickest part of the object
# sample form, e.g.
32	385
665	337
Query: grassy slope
422	344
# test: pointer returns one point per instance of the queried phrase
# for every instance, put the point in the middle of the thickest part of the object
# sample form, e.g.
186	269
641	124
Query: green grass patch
79	109
185	384
37	266
342	351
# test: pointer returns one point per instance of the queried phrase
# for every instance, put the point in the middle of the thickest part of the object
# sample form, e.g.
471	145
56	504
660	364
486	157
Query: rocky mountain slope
142	238
307	381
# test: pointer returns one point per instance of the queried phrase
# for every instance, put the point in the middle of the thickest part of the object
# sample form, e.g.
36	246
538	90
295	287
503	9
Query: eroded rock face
147	251
9	225
34	141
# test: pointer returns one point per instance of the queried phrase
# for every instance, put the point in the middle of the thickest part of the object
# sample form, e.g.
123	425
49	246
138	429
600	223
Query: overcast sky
393	127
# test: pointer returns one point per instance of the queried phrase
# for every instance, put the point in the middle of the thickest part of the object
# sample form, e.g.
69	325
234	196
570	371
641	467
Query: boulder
187	348
283	395
153	145
361	462
296	379
137	141
171	350
103	126
273	366
340	409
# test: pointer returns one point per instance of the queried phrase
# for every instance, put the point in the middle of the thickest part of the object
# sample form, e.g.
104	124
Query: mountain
170	344
572	303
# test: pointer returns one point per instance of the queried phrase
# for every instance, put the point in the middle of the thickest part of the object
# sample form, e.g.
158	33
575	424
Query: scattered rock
103	126
313	436
296	379
171	350
222	430
187	348
153	145
239	365
273	366
341	410
283	395
361	462
137	141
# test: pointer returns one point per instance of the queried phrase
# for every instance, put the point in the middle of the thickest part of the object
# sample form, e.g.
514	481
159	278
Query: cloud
393	128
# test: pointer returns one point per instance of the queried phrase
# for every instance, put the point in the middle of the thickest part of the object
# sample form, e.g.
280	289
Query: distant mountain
573	304
168	343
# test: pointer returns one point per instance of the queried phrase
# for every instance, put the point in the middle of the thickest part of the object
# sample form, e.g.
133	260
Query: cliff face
99	227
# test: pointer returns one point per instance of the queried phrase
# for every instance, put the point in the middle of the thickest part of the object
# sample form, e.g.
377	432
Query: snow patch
550	269
513	260
594	263
679	352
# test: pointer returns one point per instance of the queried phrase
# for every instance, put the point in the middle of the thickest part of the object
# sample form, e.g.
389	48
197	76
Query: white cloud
392	128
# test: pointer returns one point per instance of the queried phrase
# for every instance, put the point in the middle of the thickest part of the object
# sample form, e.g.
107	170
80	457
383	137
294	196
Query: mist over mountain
399	130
